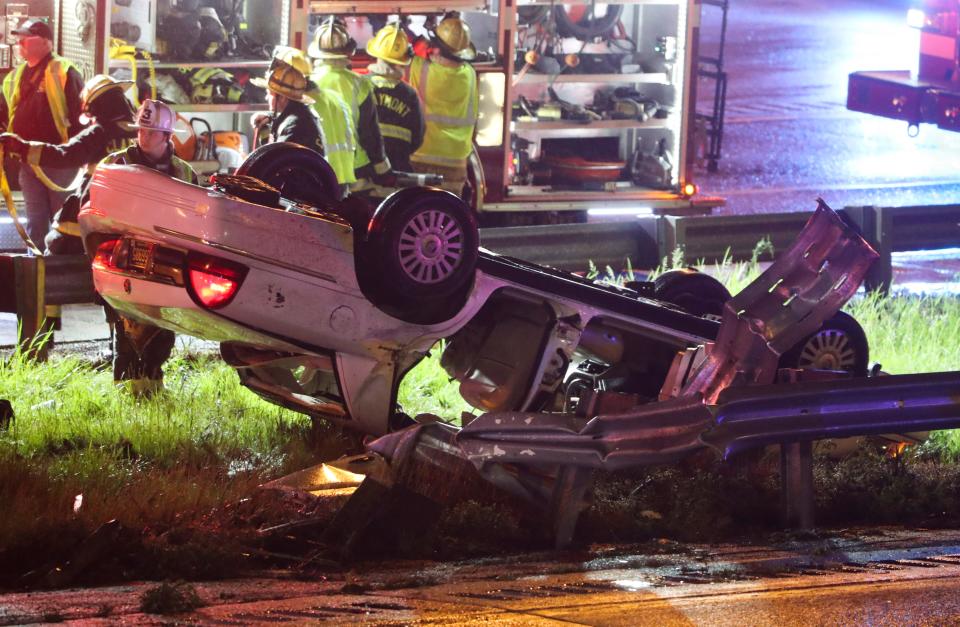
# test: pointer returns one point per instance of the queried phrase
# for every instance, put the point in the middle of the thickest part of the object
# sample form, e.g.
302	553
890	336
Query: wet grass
176	472
81	452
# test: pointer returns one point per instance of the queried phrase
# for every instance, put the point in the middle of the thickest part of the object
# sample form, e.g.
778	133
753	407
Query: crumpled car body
294	316
323	310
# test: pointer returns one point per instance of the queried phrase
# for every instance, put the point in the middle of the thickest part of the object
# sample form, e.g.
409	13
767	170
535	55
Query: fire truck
931	95
584	106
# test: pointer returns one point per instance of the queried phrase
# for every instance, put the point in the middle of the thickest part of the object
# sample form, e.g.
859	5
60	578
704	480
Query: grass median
174	470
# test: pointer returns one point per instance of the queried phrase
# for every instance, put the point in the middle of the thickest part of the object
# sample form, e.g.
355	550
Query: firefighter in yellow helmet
331	48
336	124
110	115
41	102
447	85
292	119
398	105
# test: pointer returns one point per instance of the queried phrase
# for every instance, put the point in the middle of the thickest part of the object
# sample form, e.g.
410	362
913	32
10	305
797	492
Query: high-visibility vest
354	90
451	103
54	84
337	129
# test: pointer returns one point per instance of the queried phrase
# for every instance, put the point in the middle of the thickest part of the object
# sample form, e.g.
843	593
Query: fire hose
119	49
12	209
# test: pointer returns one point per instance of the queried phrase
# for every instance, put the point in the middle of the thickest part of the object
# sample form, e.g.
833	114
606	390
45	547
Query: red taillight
214	282
690	189
103	257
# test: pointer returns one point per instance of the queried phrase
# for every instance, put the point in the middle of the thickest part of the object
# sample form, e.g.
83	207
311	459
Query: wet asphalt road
874	577
789	137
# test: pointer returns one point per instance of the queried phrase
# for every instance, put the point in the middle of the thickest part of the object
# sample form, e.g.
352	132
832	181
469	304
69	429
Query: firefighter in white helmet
331	48
139	350
447	85
398	105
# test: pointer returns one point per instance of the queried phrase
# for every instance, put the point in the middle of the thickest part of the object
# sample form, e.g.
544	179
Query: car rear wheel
694	292
839	344
301	174
421	253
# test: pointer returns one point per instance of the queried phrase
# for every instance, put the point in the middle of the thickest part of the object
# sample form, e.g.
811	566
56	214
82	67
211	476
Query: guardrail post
874	224
796	484
880	275
670	235
29	276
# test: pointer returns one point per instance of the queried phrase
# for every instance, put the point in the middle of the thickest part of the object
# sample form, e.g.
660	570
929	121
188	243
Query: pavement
877	576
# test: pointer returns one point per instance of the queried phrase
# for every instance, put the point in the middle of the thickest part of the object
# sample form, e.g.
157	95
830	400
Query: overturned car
323	306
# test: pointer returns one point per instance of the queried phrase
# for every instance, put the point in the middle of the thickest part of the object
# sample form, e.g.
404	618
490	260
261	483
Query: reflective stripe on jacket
356	91
451	103
336	124
54	84
401	120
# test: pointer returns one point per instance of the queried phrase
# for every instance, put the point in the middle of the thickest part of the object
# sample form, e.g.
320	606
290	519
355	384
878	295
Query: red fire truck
932	94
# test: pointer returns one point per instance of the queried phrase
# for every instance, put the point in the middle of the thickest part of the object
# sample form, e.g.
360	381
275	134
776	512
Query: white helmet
155	116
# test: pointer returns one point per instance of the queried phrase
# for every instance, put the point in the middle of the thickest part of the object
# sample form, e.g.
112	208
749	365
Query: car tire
421	254
695	292
300	174
839	344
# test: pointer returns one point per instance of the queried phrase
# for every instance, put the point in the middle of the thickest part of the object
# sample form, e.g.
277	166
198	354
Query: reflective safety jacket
61	83
336	124
451	103
401	120
357	91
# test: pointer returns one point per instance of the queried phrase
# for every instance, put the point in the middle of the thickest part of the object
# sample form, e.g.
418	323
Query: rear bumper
899	96
170	307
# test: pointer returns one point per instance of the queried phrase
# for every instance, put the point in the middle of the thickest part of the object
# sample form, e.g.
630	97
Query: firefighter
106	107
41	102
447	86
398	105
139	350
332	47
336	125
292	118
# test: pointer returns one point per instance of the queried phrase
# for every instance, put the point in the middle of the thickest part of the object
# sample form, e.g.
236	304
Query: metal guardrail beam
69	280
710	238
571	246
29	284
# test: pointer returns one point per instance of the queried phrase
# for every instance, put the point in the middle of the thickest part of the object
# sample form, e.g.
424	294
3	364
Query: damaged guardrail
728	402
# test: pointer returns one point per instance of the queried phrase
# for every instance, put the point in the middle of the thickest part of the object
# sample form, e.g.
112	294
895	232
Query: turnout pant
139	350
40	202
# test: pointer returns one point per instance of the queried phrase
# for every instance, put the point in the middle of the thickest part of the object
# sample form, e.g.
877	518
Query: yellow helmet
454	35
332	41
97	86
293	57
287	81
391	45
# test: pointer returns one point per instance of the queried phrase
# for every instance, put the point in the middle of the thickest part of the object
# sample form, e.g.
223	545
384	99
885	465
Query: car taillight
213	281
103	257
